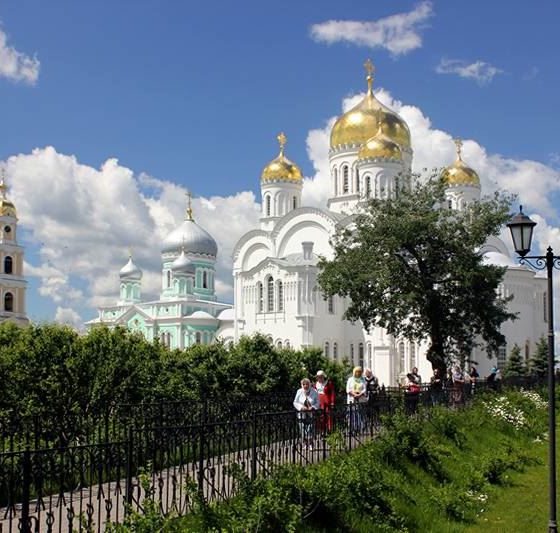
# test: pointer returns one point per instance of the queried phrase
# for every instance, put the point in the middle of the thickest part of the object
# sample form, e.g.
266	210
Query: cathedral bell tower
281	185
12	282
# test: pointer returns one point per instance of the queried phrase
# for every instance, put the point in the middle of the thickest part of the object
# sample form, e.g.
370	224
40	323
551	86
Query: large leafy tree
412	266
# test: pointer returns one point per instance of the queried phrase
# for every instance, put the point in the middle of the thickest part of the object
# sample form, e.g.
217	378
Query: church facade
187	311
275	265
13	284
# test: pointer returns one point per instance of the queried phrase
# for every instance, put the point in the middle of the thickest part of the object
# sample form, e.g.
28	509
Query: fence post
254	446
201	450
129	468
26	492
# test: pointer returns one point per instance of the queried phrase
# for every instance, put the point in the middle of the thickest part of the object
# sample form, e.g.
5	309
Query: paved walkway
91	508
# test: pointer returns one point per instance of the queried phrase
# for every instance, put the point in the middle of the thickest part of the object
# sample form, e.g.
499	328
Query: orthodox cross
370	69
282	140
188	194
459	145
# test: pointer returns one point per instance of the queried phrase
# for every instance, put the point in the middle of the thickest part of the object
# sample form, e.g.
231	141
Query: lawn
522	504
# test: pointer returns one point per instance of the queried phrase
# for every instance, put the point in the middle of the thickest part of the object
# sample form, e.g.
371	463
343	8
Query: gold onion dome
281	168
459	173
7	208
362	121
380	146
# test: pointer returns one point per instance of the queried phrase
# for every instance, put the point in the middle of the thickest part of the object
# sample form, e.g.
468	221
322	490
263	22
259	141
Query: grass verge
437	471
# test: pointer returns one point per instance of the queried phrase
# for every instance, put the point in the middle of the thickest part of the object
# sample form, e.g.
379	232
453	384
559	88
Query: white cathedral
275	265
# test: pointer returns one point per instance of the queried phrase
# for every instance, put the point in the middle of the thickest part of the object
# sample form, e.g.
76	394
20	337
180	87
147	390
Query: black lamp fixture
521	227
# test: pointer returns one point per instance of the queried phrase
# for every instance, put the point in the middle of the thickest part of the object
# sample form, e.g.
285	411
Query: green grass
448	472
521	505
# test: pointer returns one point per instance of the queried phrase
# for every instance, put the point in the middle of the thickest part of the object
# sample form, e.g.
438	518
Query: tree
515	366
538	364
411	265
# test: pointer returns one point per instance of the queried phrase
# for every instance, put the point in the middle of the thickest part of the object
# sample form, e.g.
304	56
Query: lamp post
521	227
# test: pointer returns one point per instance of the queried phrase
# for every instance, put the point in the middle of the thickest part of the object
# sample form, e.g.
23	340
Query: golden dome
380	146
363	120
7	208
459	173
281	168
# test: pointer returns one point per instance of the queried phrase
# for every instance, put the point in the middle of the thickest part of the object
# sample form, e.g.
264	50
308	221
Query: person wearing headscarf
325	390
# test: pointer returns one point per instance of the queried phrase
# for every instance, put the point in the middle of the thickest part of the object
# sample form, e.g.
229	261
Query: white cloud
17	66
480	71
83	220
399	34
67	315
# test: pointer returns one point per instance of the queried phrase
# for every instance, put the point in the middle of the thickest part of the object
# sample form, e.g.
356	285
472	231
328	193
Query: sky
110	111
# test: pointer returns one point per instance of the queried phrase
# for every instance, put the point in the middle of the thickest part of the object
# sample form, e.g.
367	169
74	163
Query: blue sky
192	95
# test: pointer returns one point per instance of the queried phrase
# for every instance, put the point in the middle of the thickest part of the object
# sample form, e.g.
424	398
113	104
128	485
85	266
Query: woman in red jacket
325	389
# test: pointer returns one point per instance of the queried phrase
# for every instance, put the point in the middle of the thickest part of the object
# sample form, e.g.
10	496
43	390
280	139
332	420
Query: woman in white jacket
306	402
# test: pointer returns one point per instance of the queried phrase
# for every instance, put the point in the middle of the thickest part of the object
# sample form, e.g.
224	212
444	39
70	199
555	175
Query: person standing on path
306	402
325	390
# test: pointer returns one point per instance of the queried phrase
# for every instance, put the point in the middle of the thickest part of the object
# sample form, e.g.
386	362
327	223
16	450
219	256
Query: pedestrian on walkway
306	402
325	390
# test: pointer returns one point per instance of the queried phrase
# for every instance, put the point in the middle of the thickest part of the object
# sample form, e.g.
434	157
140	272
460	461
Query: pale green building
187	311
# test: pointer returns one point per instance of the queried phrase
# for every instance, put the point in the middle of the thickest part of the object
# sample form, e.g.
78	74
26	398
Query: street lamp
521	227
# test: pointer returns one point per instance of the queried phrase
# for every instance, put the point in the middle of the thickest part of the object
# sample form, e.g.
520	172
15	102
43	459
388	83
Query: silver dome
183	265
192	238
130	271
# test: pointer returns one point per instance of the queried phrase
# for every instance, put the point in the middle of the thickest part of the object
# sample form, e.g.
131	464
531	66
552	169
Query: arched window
8	302
369	355
260	295
357	180
449	204
335	351
168	278
286	343
361	354
397	187
279	345
204	279
344	179
198	337
267	204
280	296
294	202
401	358
352	354
412	355
368	186
330	305
527	349
8	265
327	349
335	174
270	294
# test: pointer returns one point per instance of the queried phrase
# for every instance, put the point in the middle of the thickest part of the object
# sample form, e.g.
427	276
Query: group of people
321	395
362	387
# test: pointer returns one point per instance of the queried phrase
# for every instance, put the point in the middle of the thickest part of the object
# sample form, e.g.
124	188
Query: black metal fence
177	453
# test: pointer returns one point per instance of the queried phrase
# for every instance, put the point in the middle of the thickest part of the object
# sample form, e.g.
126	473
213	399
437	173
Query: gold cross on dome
188	194
458	145
368	65
282	140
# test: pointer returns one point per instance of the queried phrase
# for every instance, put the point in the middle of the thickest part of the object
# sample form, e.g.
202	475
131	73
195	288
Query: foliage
515	366
538	363
433	472
412	266
60	378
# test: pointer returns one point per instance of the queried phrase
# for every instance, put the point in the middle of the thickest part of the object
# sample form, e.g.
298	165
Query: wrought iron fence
177	458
